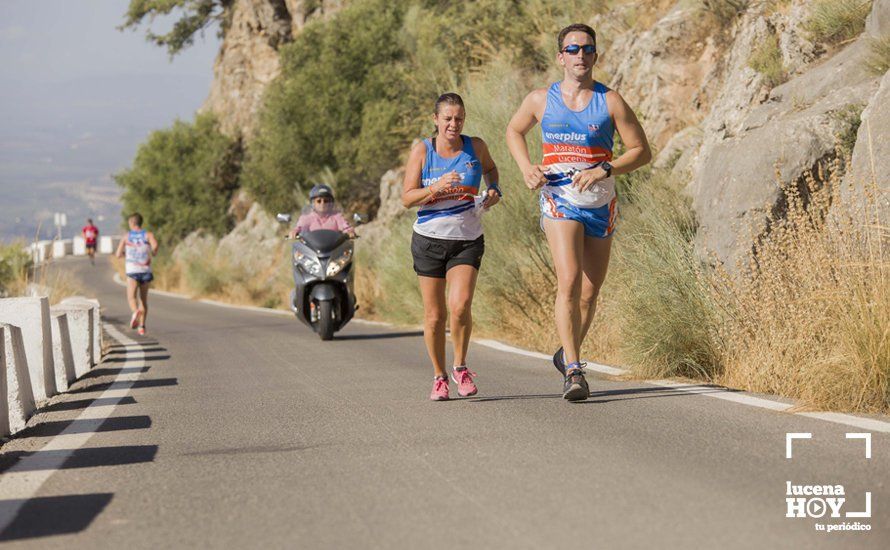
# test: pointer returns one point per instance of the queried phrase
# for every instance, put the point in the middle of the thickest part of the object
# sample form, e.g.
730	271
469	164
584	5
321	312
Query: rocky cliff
723	128
248	58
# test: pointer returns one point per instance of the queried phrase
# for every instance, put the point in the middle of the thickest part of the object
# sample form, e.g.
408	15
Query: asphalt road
233	428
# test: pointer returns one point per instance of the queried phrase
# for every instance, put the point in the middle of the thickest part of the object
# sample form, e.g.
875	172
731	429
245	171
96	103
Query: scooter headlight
336	266
308	263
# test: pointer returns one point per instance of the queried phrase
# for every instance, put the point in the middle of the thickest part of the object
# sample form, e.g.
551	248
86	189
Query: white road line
726	395
21	482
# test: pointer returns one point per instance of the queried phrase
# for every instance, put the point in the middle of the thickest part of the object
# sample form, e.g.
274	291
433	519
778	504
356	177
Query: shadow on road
80	458
112	424
153	383
98	373
118	350
253	449
381	336
146	359
45	516
78	404
599	397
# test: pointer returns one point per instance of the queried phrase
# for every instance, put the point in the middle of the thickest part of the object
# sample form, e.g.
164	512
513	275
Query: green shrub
835	21
766	59
14	266
878	61
182	179
336	105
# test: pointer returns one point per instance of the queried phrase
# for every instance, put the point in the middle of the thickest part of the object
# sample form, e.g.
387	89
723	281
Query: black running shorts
434	257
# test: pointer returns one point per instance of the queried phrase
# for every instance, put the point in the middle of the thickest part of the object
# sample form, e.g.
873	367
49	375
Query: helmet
320	190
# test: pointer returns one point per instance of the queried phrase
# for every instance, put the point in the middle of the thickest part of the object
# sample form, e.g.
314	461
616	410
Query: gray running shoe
559	361
575	388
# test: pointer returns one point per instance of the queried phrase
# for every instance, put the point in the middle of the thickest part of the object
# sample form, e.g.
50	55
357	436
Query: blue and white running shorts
598	222
141	278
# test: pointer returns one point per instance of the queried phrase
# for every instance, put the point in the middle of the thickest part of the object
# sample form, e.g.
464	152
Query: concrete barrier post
63	353
79	246
97	324
106	245
44	249
19	394
4	390
32	316
62	248
80	329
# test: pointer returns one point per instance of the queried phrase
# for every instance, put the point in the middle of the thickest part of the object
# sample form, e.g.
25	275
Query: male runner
140	245
578	117
90	235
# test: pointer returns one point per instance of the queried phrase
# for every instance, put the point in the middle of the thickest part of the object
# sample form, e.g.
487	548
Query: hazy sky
77	96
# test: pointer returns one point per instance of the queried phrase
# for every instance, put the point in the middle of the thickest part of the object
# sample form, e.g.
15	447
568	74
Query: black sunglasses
573	49
323	199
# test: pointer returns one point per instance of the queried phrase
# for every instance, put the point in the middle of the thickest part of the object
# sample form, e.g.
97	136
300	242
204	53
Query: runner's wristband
496	189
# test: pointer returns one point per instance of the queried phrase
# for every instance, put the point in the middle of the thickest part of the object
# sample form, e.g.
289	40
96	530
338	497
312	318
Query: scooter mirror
358	218
283	218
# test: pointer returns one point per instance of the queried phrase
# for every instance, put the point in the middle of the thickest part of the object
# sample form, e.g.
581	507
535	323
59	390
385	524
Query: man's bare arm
637	152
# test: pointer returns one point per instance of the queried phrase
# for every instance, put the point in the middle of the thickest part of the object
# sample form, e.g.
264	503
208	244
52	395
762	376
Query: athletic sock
575	365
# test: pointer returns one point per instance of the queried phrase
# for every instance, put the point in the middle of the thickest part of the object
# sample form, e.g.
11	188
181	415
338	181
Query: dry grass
14	267
836	21
20	277
766	59
809	317
878	61
725	11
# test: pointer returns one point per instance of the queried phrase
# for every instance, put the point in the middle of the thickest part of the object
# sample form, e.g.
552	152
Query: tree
196	15
182	179
336	105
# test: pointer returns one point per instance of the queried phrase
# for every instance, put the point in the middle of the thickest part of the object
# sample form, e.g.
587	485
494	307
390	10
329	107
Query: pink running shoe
464	380
440	389
134	320
141	331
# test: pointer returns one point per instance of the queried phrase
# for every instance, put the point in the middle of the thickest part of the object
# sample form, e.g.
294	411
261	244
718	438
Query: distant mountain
61	141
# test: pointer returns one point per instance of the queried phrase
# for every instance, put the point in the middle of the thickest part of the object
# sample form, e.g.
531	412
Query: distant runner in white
578	118
140	245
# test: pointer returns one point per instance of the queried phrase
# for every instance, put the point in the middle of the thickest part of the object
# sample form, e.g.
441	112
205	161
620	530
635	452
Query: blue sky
77	96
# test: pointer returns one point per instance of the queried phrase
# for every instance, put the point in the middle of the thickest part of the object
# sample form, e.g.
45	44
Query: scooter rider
323	214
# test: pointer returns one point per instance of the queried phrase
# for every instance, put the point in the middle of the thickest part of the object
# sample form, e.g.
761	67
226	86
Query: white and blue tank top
575	141
452	214
138	249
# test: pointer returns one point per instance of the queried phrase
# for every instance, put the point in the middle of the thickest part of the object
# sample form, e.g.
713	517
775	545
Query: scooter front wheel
326	319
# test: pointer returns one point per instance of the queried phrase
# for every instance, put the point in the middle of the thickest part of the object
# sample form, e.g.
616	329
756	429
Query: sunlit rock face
248	59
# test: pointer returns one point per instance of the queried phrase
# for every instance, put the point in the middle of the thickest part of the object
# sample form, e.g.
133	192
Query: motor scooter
324	295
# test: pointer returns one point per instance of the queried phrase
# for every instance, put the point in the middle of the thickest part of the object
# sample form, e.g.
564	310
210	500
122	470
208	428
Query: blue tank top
138	258
575	141
453	214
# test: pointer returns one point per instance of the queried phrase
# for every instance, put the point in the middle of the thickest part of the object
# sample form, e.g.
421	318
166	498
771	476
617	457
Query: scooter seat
324	240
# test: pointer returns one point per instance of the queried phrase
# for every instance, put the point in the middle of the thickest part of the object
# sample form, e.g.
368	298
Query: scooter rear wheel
326	319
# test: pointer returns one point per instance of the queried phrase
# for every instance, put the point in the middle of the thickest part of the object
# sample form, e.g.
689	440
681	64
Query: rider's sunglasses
323	199
573	49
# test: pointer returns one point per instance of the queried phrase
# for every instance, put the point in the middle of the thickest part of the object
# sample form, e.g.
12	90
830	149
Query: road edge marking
20	483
